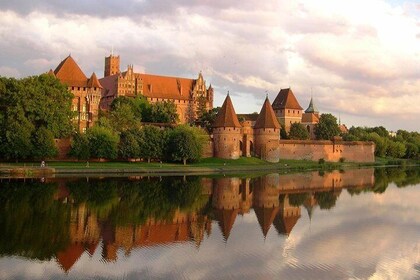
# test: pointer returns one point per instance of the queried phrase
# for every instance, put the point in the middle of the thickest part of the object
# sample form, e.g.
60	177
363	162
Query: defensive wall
351	151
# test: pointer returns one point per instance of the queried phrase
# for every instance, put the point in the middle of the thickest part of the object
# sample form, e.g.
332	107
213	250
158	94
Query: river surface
353	224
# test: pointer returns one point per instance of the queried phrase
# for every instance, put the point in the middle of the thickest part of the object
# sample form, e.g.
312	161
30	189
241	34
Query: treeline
120	133
36	110
402	144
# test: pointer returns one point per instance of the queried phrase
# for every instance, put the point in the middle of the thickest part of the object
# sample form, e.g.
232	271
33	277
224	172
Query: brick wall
328	150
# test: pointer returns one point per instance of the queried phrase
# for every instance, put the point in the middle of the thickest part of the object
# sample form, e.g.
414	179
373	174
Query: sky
359	60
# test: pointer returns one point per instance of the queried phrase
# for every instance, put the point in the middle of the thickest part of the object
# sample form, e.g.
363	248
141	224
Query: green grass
207	165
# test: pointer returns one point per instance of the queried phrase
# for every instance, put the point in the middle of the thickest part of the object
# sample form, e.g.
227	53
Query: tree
17	139
411	150
207	119
122	117
283	132
103	143
327	127
129	144
80	146
43	143
152	144
298	132
163	112
185	144
395	149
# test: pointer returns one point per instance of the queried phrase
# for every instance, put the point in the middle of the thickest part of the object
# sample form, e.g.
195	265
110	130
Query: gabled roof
311	108
267	117
166	87
226	117
69	72
94	82
286	100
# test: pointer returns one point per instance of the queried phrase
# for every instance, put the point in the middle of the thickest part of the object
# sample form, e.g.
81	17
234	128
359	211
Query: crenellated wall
327	150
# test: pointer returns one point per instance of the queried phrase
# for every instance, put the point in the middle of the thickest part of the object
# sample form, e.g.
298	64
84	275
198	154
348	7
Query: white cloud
361	58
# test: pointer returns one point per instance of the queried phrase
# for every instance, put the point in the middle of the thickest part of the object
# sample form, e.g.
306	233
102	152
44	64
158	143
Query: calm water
357	224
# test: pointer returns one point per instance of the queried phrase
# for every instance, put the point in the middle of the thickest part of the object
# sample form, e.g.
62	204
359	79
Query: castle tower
267	134
227	132
287	108
310	118
112	65
87	92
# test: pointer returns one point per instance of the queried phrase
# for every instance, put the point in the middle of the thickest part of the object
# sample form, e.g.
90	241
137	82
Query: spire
51	73
70	73
265	217
267	117
94	82
227	116
311	107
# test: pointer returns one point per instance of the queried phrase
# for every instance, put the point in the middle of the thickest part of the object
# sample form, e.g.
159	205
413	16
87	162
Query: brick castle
256	135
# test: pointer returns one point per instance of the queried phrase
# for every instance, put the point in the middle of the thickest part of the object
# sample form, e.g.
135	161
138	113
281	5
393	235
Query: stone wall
327	150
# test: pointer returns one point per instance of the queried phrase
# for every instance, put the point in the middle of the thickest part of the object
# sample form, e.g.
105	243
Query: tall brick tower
112	65
227	134
287	108
267	134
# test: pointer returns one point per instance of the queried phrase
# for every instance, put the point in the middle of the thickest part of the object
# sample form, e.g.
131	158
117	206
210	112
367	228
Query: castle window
84	129
288	111
78	88
293	111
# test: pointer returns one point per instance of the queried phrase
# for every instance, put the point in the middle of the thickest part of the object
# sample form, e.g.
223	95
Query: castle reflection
115	214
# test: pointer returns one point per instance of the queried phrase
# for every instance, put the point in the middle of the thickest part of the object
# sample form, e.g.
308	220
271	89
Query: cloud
360	58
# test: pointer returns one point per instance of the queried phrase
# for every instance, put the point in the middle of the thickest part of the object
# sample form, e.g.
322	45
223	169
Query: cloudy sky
359	59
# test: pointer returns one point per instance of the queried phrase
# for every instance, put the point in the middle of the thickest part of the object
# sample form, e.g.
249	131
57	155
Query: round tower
227	134
267	134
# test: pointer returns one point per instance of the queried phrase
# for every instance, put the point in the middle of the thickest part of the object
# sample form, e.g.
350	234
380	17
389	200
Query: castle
189	95
259	135
256	135
92	95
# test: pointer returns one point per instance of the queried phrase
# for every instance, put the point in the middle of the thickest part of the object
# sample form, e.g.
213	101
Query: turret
227	132
267	134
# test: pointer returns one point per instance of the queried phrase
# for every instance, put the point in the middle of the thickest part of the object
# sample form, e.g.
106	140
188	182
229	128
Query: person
42	163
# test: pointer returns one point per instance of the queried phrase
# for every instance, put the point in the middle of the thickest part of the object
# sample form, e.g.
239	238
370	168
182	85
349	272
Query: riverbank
205	166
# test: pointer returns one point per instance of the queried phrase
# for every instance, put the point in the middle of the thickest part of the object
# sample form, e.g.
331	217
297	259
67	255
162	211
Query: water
355	224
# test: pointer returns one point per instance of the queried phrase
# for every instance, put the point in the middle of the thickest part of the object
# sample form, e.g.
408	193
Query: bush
80	146
321	161
342	159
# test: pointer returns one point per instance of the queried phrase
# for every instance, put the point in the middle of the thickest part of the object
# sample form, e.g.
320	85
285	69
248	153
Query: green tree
411	150
283	132
80	146
327	127
103	143
381	144
163	112
185	143
129	144
298	132
43	144
152	144
207	119
395	149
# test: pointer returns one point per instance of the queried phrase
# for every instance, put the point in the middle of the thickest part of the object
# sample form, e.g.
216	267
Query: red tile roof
226	218
166	87
226	117
267	118
70	73
286	100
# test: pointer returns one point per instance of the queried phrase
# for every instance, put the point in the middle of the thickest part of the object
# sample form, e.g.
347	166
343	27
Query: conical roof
226	218
70	73
265	217
94	82
51	72
286	100
267	117
227	117
311	108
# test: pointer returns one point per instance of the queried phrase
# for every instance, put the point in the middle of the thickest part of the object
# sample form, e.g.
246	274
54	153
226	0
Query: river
348	224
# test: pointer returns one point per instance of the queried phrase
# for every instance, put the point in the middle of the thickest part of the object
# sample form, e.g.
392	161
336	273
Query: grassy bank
208	165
